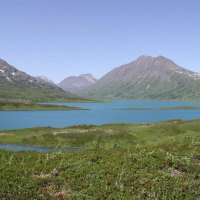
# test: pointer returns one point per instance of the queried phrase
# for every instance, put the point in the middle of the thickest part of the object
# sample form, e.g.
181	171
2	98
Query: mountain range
19	85
77	84
147	78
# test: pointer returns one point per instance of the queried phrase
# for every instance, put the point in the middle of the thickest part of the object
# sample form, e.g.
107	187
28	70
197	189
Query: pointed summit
77	83
148	78
143	57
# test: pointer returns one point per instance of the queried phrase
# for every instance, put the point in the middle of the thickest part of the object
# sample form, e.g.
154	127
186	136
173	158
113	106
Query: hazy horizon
63	38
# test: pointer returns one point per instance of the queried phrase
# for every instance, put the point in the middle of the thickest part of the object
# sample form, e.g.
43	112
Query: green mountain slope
148	78
19	85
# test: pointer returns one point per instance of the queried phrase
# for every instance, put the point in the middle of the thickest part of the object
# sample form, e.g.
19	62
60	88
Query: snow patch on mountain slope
45	79
90	79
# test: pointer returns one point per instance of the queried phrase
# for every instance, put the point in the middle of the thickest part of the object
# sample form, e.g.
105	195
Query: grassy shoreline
103	135
123	161
12	106
163	108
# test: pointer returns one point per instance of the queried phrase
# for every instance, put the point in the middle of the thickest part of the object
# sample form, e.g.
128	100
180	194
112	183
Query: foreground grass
122	161
33	106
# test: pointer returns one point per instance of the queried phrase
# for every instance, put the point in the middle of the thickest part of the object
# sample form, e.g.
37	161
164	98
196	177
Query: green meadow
117	161
33	106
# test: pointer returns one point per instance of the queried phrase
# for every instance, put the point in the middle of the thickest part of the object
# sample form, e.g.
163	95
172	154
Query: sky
60	38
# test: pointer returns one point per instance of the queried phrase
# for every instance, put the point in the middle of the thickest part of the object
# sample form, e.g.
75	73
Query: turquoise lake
99	113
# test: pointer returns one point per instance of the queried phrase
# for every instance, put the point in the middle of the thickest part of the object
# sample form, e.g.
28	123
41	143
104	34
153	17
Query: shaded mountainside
77	83
19	85
148	78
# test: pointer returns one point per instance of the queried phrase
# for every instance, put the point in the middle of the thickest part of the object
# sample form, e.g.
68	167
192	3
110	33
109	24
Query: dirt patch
55	172
109	131
196	159
174	172
77	131
3	134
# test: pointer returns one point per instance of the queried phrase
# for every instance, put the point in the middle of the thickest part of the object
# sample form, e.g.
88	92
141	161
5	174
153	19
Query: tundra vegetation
33	106
116	161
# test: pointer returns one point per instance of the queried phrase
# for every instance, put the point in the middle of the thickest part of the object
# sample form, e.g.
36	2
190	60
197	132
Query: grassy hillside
33	106
17	92
120	161
185	90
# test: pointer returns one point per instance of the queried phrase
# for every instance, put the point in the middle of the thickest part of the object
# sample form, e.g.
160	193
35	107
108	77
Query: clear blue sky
58	38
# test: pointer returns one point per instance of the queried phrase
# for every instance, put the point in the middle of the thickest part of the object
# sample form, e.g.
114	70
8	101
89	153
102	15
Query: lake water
100	113
13	147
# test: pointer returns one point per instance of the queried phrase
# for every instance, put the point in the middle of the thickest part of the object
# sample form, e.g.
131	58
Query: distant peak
161	58
84	75
157	58
144	57
3	61
88	75
147	57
